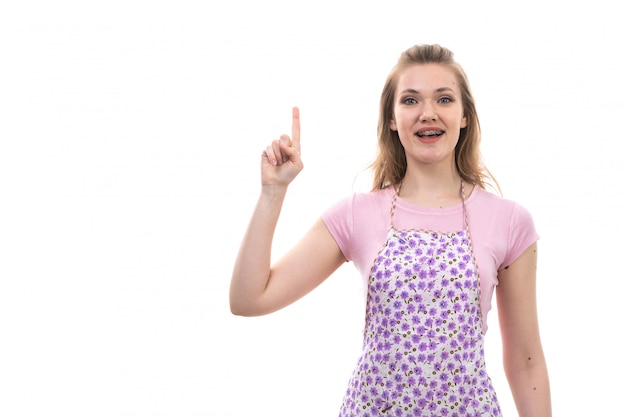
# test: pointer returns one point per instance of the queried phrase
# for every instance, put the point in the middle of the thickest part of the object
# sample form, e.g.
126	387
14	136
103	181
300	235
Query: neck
432	187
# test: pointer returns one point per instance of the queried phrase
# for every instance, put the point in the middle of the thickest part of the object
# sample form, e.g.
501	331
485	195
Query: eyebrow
439	90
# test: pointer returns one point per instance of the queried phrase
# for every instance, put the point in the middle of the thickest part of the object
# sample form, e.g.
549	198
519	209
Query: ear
392	125
463	122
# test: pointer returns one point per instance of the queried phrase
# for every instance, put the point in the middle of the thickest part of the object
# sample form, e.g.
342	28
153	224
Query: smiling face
428	113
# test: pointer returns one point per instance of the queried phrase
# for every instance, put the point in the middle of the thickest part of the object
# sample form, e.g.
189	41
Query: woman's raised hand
280	161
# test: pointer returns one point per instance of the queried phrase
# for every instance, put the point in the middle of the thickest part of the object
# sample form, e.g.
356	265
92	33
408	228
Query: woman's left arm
523	358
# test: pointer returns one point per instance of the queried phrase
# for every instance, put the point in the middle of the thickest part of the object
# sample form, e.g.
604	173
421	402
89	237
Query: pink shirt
500	230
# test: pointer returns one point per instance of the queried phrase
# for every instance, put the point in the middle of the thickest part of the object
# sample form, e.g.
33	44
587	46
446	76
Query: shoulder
488	204
360	211
374	198
356	221
502	223
359	202
499	218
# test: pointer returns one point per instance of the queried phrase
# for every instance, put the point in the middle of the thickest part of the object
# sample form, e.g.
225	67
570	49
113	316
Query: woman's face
428	113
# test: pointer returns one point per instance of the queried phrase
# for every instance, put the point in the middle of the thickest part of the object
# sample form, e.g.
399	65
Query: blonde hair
389	166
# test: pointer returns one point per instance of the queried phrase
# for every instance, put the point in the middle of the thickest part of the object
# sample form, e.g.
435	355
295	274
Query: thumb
290	153
285	143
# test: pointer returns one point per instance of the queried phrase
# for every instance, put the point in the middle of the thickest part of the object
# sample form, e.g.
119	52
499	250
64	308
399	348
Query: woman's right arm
258	287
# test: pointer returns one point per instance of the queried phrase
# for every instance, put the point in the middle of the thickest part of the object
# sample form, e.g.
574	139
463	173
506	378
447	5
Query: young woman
431	243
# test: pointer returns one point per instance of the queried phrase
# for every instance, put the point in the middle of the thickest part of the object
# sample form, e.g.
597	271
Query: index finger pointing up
295	128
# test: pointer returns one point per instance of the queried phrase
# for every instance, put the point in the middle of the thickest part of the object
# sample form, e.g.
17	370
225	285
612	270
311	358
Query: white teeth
430	133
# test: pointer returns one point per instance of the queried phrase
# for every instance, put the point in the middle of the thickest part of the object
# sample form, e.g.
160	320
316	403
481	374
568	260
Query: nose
428	113
428	116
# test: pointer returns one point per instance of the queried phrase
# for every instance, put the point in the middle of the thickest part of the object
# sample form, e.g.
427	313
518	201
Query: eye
409	100
445	100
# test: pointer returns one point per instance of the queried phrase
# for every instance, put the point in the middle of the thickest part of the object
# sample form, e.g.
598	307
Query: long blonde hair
389	167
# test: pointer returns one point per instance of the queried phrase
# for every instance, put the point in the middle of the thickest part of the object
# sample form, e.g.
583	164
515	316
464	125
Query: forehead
426	78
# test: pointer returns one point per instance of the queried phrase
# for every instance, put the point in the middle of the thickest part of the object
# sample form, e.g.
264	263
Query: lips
429	133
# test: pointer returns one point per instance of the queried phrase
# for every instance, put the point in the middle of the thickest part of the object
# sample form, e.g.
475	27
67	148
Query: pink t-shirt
500	230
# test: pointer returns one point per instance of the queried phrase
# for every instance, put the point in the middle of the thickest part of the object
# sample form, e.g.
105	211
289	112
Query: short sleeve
340	223
522	234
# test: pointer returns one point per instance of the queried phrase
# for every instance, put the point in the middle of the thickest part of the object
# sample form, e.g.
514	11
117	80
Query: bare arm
523	357
257	287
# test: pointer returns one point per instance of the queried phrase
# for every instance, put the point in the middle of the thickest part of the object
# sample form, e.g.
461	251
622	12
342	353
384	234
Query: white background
131	133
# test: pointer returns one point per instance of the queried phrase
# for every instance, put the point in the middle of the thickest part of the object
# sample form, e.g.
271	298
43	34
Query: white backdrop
129	165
